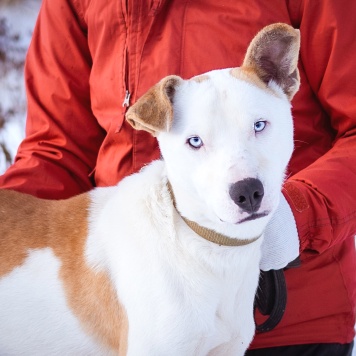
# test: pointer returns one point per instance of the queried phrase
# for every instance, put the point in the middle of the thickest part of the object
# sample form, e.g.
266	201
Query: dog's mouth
253	216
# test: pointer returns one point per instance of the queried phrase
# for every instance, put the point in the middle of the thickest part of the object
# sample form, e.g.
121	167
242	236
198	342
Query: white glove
281	242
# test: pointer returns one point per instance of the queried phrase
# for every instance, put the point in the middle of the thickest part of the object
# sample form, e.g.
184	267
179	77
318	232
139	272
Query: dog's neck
212	235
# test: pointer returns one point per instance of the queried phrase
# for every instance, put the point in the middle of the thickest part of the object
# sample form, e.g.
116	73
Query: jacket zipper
126	101
125	3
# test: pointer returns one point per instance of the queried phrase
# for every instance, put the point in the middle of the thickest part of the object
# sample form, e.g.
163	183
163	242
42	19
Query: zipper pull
125	105
127	99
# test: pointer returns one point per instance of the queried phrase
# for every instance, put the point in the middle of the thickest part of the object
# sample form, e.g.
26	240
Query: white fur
232	151
182	294
178	289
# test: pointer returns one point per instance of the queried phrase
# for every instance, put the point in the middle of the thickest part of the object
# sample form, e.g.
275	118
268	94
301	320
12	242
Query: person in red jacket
89	60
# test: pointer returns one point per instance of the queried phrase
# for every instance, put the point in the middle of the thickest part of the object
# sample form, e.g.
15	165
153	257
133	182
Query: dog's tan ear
273	55
153	112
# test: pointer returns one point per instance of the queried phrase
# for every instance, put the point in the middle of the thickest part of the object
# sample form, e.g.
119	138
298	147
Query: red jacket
86	54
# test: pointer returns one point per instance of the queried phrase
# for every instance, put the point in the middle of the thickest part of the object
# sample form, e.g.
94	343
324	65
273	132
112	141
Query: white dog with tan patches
167	262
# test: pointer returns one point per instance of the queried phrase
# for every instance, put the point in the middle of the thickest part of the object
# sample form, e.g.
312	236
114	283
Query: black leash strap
271	296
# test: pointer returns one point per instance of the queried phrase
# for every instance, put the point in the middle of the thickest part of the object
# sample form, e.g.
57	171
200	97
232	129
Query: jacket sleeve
323	195
62	135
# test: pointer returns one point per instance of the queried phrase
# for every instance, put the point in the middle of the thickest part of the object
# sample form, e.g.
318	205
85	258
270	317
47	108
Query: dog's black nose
247	194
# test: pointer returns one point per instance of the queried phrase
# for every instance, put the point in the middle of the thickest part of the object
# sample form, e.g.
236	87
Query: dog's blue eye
195	142
260	125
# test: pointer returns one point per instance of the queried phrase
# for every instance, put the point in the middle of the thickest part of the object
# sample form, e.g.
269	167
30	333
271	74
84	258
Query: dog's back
47	290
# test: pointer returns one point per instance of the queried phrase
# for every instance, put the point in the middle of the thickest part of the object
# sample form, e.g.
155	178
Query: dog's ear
153	112
273	55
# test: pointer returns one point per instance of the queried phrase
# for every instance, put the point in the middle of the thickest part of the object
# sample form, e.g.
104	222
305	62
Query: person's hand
281	243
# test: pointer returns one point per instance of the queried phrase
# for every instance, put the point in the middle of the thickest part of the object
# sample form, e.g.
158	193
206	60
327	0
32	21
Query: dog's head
227	136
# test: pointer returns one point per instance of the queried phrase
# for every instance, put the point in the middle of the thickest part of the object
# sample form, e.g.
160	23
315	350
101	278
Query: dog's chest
182	294
189	307
232	325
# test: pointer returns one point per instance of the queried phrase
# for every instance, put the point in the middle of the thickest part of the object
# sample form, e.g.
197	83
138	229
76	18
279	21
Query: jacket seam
79	14
294	10
321	222
346	290
181	64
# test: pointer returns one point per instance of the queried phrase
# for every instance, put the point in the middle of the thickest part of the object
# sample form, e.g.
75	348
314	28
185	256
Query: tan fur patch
31	223
153	112
22	226
200	78
249	75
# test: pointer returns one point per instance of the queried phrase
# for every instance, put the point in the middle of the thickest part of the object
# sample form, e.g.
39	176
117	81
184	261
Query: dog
167	261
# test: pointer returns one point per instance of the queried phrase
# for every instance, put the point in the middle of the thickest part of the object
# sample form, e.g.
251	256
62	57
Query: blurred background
17	19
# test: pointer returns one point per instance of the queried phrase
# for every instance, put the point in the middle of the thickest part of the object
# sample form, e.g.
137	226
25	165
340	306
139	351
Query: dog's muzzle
209	234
